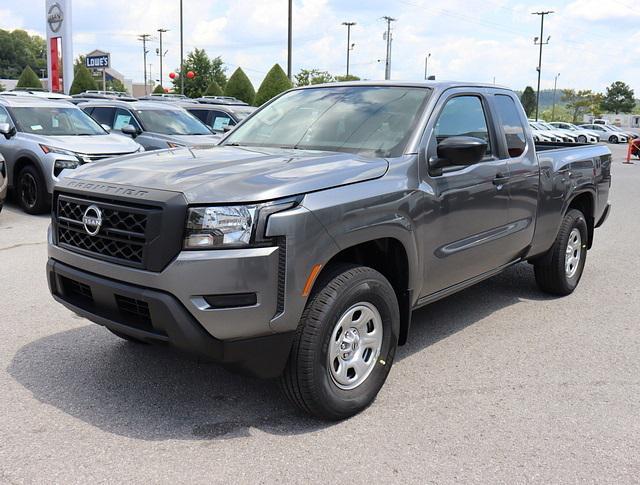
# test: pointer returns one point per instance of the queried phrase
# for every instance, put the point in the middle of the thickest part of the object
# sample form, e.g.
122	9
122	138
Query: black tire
550	272
307	381
32	191
582	139
613	139
127	337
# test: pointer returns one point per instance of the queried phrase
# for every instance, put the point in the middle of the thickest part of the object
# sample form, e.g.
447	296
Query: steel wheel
355	345
573	253
28	190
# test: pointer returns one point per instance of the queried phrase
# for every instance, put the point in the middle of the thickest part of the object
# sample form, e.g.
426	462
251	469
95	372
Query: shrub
28	79
239	86
274	83
82	81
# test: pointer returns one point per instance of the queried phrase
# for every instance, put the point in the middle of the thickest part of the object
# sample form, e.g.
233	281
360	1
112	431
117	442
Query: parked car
629	134
94	95
38	93
39	138
582	135
218	117
607	133
563	136
300	246
4	181
541	135
154	125
164	97
220	100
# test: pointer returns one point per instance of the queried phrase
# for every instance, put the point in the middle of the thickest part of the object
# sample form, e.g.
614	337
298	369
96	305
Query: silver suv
39	138
155	125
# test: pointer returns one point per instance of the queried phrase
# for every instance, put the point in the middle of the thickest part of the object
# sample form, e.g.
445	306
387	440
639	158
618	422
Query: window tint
124	118
511	125
219	120
201	114
103	115
463	116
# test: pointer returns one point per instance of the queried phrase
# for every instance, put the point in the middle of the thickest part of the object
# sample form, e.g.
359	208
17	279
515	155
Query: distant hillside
546	97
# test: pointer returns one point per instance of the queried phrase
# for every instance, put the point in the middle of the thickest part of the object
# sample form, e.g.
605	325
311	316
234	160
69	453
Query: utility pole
161	53
426	65
181	53
387	37
144	38
555	85
539	41
290	34
349	45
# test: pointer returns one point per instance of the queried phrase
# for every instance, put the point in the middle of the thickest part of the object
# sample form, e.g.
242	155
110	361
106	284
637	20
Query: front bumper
158	317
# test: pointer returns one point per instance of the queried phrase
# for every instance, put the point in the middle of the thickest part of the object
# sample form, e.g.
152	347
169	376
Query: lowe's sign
97	62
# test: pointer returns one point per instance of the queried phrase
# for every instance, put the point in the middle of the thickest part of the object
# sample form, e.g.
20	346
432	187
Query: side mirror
106	128
459	150
7	130
130	130
227	128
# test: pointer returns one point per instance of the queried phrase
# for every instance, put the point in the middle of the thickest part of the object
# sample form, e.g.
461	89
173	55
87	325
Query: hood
234	174
190	140
90	145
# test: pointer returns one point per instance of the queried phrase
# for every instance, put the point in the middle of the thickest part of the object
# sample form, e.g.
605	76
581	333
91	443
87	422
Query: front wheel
582	139
32	191
345	343
613	139
559	272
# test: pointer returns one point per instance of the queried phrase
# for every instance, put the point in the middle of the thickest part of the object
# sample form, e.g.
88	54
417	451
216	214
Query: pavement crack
22	245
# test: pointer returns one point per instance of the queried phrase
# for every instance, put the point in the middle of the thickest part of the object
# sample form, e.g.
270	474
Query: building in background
622	120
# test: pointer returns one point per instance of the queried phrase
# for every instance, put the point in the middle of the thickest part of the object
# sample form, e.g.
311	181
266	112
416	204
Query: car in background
154	125
38	93
164	97
4	183
564	137
41	138
94	94
629	134
583	135
540	135
218	117
221	100
607	133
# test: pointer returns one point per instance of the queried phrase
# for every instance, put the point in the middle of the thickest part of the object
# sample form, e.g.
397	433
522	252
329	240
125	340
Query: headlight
213	227
61	151
61	165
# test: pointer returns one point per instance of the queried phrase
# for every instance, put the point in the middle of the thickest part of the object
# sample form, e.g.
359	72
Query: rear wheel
613	139
32	191
559	271
345	343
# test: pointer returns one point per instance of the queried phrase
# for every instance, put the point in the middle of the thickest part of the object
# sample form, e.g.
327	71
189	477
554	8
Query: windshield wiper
233	144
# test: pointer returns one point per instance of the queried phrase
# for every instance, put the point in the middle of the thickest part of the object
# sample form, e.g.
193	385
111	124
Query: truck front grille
121	238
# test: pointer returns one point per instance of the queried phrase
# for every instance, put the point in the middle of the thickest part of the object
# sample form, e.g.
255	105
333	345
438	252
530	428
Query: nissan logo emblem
92	220
55	17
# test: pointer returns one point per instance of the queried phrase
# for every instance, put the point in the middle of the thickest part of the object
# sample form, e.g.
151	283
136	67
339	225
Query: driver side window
463	116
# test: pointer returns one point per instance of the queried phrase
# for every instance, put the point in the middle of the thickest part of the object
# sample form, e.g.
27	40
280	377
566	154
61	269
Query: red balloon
191	74
172	75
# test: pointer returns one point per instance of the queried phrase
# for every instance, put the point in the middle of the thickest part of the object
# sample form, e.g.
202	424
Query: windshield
53	121
538	126
242	113
369	120
171	122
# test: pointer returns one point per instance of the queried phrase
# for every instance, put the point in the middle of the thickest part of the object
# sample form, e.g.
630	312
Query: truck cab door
465	212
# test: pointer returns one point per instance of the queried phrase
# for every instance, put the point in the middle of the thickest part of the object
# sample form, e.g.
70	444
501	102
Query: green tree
18	50
580	103
214	89
274	83
206	71
618	98
344	78
313	76
116	85
528	100
29	79
158	89
83	81
239	86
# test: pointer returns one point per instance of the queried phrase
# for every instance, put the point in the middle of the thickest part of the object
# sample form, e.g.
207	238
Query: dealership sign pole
59	45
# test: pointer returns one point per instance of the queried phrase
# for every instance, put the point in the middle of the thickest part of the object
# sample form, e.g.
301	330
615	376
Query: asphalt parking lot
499	384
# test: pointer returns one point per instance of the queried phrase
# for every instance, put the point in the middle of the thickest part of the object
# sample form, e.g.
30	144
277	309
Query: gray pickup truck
299	247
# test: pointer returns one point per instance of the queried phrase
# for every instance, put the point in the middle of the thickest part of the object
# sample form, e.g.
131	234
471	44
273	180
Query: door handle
500	180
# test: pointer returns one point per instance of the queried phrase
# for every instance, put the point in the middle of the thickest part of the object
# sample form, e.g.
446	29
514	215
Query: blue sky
593	42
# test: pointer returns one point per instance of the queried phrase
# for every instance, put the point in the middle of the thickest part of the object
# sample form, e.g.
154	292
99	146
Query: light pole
540	43
289	40
553	109
426	65
181	53
161	53
387	37
144	38
349	46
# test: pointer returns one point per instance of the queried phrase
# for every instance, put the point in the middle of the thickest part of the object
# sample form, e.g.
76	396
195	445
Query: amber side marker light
311	279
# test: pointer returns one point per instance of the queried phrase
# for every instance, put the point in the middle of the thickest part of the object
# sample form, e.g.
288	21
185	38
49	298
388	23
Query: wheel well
17	168
387	256
584	203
